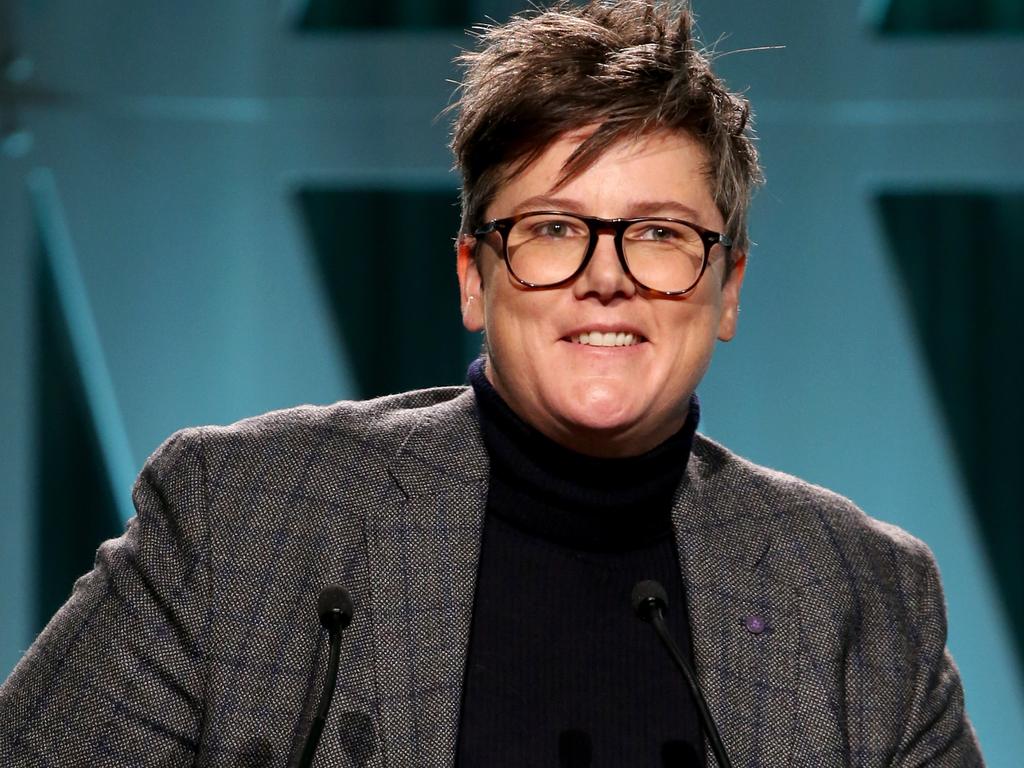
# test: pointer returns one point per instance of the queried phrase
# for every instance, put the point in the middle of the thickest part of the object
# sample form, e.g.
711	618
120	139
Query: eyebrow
634	209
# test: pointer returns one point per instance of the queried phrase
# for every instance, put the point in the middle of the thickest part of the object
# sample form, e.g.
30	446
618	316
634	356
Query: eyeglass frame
596	227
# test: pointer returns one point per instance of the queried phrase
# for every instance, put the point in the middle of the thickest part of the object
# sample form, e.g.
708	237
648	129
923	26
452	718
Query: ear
470	284
731	299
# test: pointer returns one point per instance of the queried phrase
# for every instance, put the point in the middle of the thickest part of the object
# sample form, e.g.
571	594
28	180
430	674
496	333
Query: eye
676	234
658	233
555	229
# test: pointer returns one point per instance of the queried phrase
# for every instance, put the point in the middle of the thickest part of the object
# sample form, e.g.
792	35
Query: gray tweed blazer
194	641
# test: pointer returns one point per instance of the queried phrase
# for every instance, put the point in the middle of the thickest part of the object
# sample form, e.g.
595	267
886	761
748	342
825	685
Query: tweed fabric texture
194	641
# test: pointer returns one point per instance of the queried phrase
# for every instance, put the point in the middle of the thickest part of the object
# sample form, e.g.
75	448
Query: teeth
598	339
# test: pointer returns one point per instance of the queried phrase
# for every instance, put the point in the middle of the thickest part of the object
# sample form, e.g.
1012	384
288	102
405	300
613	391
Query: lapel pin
754	624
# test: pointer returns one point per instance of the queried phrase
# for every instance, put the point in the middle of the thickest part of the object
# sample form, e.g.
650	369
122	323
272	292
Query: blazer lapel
744	619
424	547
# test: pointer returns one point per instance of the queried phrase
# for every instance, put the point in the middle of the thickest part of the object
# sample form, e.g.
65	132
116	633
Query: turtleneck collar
572	499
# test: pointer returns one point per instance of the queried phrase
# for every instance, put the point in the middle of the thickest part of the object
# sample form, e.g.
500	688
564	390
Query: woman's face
602	400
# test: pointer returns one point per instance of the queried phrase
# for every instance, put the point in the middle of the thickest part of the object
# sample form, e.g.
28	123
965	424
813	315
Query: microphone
334	606
650	602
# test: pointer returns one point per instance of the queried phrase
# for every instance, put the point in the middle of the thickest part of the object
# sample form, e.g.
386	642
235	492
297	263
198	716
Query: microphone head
334	606
648	597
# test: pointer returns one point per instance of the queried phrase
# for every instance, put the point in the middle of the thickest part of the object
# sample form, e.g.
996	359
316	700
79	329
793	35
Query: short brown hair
629	66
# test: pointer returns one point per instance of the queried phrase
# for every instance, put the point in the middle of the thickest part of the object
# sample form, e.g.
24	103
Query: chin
600	410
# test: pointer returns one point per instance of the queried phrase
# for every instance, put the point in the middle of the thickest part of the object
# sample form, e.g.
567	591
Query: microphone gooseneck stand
334	605
650	601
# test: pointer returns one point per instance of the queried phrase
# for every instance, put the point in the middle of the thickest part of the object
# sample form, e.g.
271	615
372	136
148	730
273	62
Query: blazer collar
444	449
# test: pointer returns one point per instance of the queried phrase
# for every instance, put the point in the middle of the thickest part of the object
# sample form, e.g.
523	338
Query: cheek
514	315
694	330
506	334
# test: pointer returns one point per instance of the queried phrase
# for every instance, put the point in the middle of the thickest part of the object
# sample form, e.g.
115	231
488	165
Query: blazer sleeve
937	732
117	677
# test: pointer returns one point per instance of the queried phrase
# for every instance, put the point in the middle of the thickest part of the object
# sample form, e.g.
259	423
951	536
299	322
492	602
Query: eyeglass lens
664	255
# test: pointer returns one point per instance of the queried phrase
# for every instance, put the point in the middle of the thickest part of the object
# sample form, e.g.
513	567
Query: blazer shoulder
802	513
273	448
380	421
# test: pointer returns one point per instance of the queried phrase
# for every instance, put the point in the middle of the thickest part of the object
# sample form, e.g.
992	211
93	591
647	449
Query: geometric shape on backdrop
340	15
75	503
961	263
921	17
387	264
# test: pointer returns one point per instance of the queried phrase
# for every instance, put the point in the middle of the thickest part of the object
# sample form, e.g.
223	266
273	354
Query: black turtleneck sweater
560	671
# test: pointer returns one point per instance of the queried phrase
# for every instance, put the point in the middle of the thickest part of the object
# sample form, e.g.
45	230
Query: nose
604	278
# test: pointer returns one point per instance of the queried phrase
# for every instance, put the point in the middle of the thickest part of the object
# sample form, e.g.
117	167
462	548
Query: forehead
632	173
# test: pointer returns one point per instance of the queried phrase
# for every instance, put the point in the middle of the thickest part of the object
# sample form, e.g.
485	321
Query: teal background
192	202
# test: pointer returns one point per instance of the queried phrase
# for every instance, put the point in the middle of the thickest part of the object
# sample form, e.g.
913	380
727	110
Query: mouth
607	339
